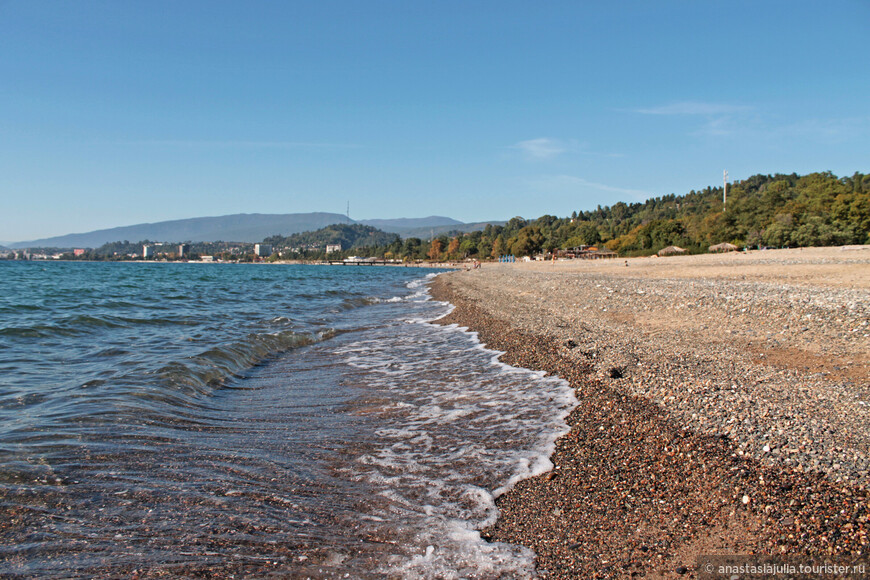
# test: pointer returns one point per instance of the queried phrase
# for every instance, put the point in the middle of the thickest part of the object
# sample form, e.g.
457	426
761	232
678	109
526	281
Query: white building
330	248
147	252
263	250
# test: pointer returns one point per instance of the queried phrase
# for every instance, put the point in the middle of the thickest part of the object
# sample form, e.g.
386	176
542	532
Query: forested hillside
350	236
819	209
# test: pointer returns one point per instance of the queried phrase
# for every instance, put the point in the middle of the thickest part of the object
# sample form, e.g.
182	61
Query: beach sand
724	405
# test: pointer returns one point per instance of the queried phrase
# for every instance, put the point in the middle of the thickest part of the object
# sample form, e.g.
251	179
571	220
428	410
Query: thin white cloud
549	148
563	182
694	108
828	128
543	147
758	129
719	119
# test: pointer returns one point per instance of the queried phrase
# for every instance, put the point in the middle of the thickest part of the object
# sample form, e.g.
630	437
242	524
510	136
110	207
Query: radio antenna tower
348	212
725	190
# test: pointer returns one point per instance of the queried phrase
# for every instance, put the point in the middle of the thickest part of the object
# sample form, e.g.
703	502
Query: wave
358	302
177	394
457	428
16	308
37	331
75	325
422	281
82	324
420	294
160	321
202	374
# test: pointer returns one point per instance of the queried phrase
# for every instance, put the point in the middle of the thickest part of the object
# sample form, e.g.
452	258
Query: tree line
818	209
776	211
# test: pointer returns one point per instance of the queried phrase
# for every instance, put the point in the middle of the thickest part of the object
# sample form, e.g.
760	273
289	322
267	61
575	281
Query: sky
121	112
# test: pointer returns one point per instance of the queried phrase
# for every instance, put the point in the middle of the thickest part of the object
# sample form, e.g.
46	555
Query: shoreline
432	265
655	470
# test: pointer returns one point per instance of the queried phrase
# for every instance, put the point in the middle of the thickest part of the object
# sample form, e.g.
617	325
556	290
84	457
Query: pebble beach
724	405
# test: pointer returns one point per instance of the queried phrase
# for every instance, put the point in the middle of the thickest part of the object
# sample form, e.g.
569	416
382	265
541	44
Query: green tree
453	249
499	247
412	249
529	241
778	234
815	232
468	246
588	233
484	248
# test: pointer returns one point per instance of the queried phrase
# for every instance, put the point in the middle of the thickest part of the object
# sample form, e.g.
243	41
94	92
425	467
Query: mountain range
248	228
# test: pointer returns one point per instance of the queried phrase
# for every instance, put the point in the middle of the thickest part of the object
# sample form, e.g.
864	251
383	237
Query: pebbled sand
844	267
724	405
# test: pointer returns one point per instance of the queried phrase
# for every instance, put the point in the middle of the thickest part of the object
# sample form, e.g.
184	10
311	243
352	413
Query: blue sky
118	112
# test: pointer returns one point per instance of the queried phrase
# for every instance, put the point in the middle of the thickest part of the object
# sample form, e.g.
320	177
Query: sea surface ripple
186	419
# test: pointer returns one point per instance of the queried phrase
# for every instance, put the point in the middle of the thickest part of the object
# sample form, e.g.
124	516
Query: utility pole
725	191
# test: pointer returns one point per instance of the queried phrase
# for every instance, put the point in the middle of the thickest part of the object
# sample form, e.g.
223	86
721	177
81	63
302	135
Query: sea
186	419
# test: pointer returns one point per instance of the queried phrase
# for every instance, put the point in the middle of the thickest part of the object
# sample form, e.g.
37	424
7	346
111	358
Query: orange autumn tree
435	250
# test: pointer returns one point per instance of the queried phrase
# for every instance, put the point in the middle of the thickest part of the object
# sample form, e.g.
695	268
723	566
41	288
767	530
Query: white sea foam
421	282
458	427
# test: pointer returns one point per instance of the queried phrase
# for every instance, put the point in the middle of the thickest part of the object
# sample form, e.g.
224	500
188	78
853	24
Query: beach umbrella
671	250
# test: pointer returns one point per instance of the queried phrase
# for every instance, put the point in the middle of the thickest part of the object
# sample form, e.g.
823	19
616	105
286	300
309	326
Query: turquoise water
300	420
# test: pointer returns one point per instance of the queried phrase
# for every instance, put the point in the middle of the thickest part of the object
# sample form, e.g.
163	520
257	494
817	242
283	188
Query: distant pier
360	262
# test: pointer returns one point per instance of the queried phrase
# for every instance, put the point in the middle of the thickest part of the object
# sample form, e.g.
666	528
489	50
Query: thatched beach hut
671	251
724	247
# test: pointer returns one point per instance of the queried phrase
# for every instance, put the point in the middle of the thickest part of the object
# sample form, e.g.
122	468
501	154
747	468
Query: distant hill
425	232
350	236
237	228
244	228
401	225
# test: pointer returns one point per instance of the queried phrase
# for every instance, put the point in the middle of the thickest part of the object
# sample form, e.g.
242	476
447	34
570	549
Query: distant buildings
263	250
147	252
330	248
183	250
79	252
